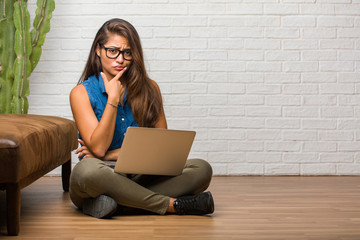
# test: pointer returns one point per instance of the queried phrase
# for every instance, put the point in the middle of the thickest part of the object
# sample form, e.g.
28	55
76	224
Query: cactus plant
20	50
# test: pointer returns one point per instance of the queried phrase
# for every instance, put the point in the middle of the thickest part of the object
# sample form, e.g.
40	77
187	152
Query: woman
113	93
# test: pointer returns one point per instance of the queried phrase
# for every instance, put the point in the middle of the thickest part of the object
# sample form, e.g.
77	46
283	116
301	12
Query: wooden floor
276	208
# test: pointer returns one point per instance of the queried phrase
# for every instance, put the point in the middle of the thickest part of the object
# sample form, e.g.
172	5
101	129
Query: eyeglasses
113	53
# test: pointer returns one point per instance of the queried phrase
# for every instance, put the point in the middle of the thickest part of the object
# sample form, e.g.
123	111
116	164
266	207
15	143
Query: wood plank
249	207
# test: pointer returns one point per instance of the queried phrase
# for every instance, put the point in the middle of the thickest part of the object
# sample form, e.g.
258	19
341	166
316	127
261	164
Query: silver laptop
154	151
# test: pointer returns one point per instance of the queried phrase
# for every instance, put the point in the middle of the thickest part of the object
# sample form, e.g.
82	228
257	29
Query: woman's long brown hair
143	96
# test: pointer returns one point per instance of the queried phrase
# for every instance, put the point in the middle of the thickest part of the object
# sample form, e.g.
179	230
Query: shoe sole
100	207
210	202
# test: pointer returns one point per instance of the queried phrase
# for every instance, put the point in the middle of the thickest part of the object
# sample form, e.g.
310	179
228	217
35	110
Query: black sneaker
199	204
101	207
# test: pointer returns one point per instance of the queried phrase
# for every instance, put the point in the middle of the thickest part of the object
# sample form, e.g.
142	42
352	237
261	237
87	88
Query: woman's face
112	66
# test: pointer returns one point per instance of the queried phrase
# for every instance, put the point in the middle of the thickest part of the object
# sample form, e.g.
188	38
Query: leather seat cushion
29	143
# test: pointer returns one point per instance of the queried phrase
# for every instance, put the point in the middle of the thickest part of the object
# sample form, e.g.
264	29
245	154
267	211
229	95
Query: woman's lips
118	68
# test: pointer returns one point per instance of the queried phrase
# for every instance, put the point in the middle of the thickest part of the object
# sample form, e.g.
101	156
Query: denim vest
98	98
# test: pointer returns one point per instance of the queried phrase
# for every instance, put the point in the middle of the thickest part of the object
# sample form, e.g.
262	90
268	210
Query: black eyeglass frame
120	52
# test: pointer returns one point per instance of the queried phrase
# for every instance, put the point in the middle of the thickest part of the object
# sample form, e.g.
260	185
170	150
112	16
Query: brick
205	32
227	134
224	21
301	89
176	99
170	77
319	100
318	124
293	157
349	77
244	9
337	89
247	77
246	55
207	146
246	169
336	44
188	66
299	135
262	44
281	9
263	111
319	33
349	146
171	55
263	134
263	89
228	111
347	9
226	157
282	78
348	169
283	146
262	21
229	88
282	123
349	55
252	123
283	100
335	21
211	9
246	100
282	56
228	66
309	112
337	66
209	122
267	157
318	169
348	33
208	100
319	146
300	66
282	33
319	56
205	77
220	169
188	43
349	100
206	55
337	112
178	123
317	9
300	44
188	112
349	124
242	32
319	77
282	169
263	66
246	146
336	136
298	21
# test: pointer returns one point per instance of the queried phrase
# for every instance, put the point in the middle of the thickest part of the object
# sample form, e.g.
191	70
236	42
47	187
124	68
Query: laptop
154	151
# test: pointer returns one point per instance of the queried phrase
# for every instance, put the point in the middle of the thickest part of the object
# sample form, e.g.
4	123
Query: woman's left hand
83	151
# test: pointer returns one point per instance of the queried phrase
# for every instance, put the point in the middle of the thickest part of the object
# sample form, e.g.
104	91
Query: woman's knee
203	170
87	170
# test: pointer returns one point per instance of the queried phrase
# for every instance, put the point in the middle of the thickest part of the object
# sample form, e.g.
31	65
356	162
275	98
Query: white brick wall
271	86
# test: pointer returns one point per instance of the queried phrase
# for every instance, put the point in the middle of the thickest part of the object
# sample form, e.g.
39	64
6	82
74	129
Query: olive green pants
91	177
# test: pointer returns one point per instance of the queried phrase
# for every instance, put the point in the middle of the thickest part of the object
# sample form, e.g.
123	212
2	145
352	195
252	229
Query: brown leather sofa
30	147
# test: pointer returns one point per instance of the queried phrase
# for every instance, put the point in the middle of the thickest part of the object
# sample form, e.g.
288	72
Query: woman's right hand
113	87
83	151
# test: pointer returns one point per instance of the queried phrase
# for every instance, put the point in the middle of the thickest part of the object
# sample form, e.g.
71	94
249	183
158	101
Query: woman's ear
97	50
